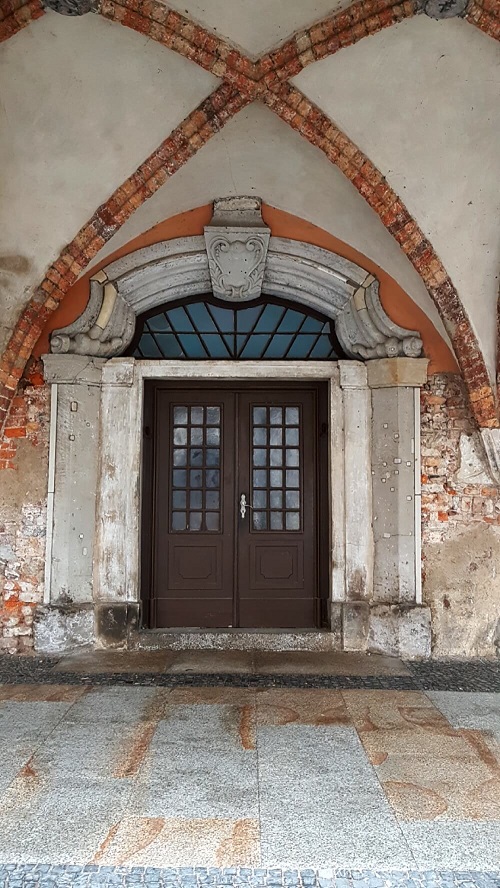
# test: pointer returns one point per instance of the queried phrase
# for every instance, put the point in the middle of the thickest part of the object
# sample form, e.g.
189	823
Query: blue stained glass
303	344
270	318
149	348
169	345
192	345
313	325
246	318
201	318
179	320
291	322
158	324
224	318
322	349
255	346
215	346
270	331
278	346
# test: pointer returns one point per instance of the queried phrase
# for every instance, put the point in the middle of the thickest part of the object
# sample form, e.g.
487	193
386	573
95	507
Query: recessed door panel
235	508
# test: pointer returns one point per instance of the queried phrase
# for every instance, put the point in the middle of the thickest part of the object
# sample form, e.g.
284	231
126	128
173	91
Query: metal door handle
244	505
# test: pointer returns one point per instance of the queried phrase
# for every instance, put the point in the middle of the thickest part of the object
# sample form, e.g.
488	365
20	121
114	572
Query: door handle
244	505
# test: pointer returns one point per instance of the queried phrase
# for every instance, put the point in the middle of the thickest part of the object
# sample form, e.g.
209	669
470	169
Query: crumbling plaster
83	103
421	99
461	588
257	154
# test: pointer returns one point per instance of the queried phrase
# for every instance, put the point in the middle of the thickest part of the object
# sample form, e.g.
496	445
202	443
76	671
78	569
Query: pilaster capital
72	369
393	372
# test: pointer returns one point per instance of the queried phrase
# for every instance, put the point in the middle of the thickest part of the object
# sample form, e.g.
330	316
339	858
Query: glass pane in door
276	469
195	469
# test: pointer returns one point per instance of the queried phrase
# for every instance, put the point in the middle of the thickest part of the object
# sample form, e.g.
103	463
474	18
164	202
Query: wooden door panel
195	567
275	566
277	537
193	577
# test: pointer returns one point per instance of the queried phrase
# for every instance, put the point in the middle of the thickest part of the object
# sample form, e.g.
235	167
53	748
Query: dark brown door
233	538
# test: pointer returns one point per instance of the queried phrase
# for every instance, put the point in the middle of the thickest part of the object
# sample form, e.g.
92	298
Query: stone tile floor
321	787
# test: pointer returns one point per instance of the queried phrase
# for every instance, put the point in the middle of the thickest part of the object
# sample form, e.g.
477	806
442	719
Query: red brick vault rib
244	81
15	15
290	104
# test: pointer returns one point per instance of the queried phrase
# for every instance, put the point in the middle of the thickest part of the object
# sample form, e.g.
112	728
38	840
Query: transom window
265	330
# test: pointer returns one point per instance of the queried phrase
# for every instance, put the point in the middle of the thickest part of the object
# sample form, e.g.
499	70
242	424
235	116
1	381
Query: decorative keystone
70	7
237	251
443	9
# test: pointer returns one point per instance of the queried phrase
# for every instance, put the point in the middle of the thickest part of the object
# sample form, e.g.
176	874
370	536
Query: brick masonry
245	80
456	576
15	15
24	460
460	525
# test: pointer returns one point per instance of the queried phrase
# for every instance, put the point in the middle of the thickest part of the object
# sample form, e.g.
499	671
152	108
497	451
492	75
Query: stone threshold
233	640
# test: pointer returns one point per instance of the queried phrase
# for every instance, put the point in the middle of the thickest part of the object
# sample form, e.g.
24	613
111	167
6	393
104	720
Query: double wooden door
231	526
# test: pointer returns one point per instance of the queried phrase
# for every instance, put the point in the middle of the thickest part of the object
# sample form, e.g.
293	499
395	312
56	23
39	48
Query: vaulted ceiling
380	125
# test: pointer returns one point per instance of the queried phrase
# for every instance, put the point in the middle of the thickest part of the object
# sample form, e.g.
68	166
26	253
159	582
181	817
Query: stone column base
61	628
393	629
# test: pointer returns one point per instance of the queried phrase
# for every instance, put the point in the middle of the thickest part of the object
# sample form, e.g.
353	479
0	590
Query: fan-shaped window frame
208	298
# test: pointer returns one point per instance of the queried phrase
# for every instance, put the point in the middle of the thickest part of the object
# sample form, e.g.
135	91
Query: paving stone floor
103	783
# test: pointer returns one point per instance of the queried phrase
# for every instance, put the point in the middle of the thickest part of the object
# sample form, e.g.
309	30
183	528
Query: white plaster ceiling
258	154
84	102
422	100
257	25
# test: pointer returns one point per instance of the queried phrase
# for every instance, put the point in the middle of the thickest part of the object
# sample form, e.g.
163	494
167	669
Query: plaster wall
257	154
421	99
83	104
260	25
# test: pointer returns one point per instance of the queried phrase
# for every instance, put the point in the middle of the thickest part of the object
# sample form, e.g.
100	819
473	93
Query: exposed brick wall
445	500
24	450
460	527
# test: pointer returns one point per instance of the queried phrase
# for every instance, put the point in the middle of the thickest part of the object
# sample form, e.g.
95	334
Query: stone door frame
374	476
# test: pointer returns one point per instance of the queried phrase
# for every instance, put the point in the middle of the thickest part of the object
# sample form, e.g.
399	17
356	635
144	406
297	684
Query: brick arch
244	81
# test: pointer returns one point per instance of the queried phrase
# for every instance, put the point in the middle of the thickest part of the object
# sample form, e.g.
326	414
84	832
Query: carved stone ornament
443	9
365	330
104	329
238	260
70	7
237	252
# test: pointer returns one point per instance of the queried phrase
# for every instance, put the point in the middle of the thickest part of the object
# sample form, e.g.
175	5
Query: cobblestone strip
427	675
47	876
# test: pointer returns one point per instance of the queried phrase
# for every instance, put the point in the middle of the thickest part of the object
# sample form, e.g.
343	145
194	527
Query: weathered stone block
355	625
59	629
400	631
115	622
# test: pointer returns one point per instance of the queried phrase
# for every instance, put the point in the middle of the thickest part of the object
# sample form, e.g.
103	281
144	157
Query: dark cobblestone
427	675
46	876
